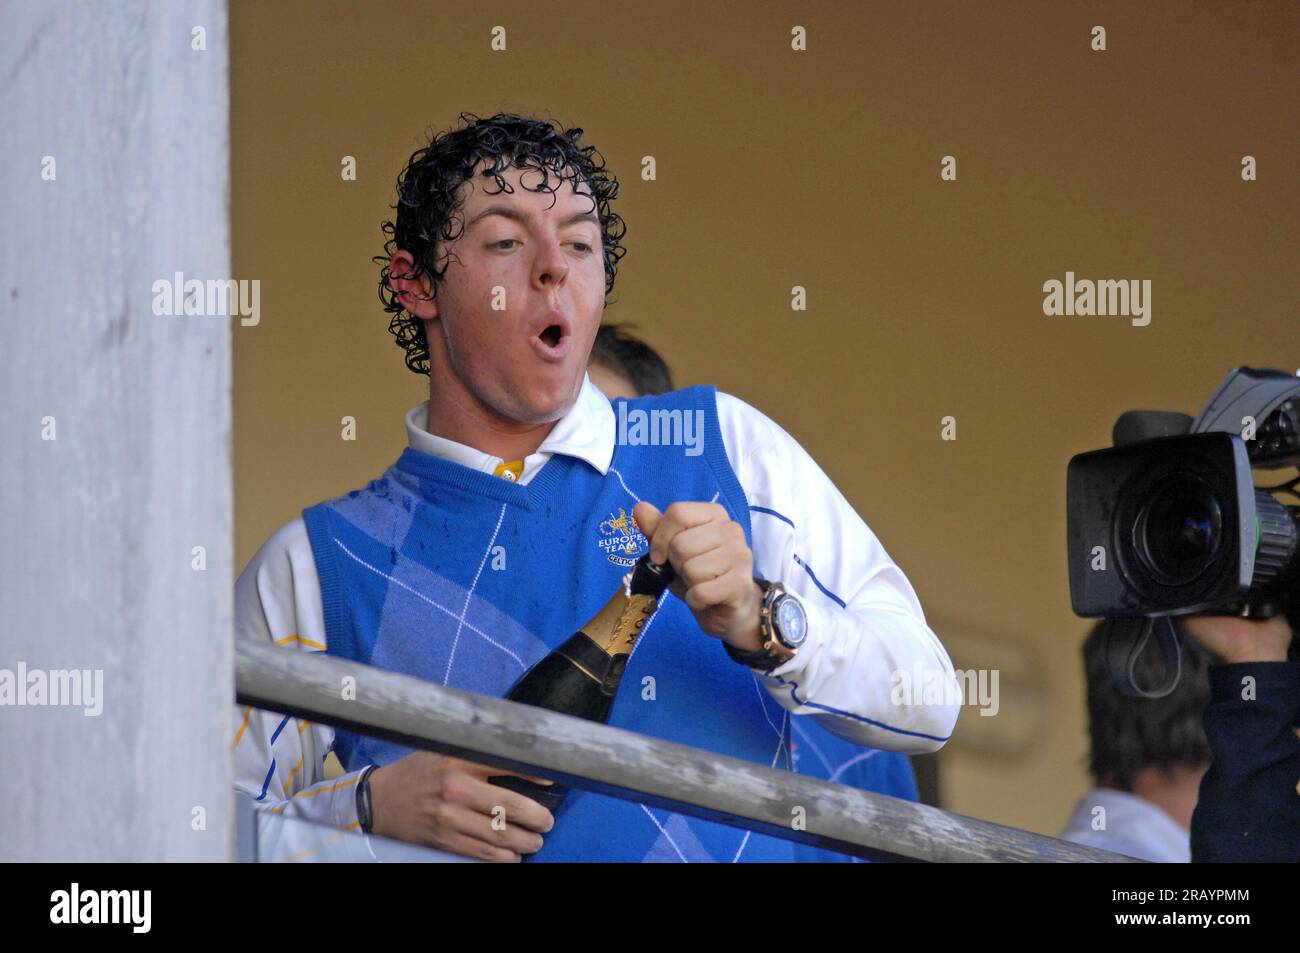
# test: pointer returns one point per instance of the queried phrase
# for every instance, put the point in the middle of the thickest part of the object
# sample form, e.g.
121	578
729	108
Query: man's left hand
715	568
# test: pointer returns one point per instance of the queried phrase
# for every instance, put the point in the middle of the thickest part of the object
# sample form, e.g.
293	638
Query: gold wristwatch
782	625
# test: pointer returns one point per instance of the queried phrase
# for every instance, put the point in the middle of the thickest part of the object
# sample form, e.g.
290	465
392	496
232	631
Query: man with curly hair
524	496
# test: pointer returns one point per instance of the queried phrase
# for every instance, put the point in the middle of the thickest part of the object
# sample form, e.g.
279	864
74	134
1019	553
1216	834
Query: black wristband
365	810
760	660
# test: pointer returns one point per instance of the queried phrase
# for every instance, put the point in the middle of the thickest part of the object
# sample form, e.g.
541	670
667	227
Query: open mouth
555	340
551	335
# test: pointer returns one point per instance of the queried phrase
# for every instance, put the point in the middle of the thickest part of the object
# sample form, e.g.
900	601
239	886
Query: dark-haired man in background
1147	756
517	509
1235	711
622	365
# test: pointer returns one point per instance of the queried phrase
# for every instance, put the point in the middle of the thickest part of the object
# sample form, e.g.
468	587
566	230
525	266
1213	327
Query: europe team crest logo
621	539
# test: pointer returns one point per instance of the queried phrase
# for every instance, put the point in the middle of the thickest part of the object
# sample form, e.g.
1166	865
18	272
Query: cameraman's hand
1234	639
447	803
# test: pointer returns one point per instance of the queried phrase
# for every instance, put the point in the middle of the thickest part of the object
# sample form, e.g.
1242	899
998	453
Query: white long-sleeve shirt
865	623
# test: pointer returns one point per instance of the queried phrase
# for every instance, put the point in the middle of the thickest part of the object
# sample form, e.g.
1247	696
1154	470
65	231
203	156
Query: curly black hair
428	206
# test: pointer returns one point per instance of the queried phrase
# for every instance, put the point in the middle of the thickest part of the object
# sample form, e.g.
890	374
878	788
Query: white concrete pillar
114	432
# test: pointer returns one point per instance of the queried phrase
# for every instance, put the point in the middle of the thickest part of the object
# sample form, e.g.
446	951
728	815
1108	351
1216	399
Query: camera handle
1125	641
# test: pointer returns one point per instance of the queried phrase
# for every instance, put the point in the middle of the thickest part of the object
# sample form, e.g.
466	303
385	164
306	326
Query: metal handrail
628	765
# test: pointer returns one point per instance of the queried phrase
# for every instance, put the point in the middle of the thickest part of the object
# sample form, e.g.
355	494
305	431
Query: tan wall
818	169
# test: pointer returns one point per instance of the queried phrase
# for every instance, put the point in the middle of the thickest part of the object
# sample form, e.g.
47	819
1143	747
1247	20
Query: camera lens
1179	529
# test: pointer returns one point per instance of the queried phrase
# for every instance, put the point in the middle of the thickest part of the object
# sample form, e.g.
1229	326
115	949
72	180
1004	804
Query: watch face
790	621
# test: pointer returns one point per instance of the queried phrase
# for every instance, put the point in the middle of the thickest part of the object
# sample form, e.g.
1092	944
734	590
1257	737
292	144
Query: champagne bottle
582	676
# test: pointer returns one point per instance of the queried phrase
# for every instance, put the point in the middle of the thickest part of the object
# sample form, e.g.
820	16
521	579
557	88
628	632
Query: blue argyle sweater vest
466	579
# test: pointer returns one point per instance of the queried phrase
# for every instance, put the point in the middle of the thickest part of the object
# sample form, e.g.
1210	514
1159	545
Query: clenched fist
715	567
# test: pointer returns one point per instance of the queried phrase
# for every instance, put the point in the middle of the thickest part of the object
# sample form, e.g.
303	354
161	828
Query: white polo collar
586	432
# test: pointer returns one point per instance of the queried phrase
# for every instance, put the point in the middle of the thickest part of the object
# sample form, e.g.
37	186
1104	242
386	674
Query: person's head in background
1154	748
622	365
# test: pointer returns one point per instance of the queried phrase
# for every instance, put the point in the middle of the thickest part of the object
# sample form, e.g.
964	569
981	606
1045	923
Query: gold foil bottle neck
617	626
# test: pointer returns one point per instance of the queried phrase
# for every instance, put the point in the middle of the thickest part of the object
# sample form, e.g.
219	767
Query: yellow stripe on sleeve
290	639
332	787
248	712
288	782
